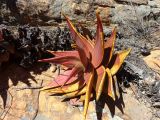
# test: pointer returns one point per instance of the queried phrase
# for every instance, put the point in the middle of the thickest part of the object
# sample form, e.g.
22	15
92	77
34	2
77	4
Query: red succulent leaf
101	76
117	61
98	51
87	76
64	53
68	61
88	73
109	48
61	79
83	46
76	69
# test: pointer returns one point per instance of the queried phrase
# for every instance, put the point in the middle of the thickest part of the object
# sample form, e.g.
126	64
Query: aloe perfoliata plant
90	67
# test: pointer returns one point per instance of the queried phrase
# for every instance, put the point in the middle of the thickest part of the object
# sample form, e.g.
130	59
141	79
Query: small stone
104	2
145	51
143	92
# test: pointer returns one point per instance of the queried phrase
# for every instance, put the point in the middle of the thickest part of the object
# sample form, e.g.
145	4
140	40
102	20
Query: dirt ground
23	101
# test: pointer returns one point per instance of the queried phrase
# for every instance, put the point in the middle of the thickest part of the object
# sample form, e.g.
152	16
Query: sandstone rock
23	103
154	3
153	60
72	8
67	7
104	2
143	11
105	13
48	12
137	108
26	12
84	7
139	2
40	5
121	13
125	13
55	9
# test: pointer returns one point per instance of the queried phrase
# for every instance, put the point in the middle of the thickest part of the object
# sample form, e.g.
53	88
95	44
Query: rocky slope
49	12
138	23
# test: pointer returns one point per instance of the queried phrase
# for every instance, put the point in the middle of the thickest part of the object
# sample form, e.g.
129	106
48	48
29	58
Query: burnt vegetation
28	44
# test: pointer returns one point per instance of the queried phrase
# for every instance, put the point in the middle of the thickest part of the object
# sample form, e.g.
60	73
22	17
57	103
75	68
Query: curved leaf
87	73
109	48
74	72
98	50
110	90
117	61
61	79
64	53
77	85
88	93
75	94
68	61
101	74
82	98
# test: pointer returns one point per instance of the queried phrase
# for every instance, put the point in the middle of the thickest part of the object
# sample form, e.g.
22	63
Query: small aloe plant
91	67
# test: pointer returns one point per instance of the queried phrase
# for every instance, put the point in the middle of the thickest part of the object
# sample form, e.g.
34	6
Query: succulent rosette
91	67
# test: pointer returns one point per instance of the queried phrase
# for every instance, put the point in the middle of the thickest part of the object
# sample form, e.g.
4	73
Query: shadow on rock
11	74
112	104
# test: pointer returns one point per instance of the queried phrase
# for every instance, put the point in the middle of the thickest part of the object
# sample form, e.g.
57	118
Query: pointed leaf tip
109	47
98	51
117	61
77	85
